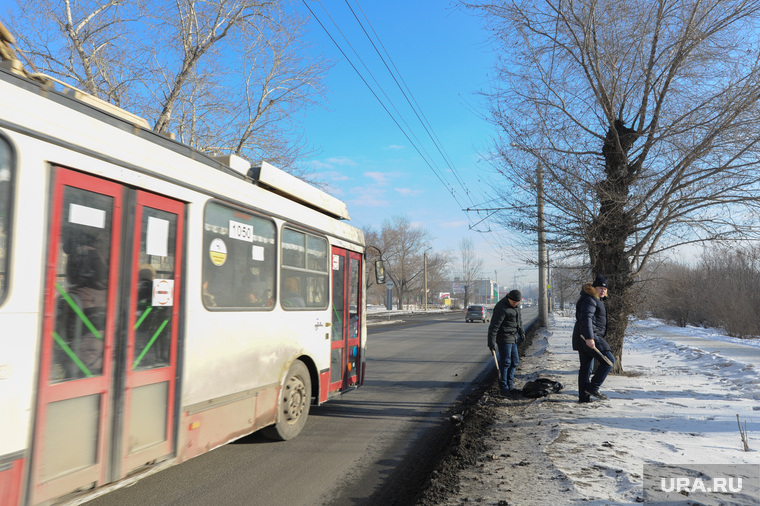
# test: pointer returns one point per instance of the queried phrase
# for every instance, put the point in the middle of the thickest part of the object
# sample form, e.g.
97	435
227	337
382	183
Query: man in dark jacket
506	331
588	339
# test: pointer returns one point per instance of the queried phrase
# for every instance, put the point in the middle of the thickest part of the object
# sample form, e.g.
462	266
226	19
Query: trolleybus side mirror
379	272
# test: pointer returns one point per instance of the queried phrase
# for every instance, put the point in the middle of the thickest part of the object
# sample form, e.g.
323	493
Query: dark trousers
508	360
585	381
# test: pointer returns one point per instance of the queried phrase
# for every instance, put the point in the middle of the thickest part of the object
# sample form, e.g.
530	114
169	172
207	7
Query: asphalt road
371	446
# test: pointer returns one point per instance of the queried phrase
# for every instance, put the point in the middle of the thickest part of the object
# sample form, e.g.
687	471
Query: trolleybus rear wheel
295	400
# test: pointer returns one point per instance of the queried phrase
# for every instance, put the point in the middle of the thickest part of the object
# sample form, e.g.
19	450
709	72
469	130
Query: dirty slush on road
468	445
499	453
474	424
486	450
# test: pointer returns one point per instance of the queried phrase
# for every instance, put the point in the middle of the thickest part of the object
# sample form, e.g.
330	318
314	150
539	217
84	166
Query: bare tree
438	264
566	283
719	292
225	76
402	246
641	114
731	275
249	110
81	43
471	267
386	242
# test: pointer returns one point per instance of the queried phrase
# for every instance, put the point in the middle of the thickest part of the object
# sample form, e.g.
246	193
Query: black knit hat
600	281
515	295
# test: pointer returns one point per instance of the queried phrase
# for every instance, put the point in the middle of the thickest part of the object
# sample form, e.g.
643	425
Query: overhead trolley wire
382	104
496	242
407	94
380	87
419	149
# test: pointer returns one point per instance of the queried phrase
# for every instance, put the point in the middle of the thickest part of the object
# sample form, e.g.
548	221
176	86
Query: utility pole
424	256
543	316
549	282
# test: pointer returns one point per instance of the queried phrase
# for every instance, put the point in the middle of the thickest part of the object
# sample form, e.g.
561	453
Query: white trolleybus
156	303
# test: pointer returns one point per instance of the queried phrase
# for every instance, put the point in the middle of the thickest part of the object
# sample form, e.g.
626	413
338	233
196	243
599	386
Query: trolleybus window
239	259
6	190
82	285
157	261
304	276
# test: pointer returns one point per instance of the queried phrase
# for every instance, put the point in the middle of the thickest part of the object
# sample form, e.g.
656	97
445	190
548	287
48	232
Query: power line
426	157
382	104
497	242
413	102
408	134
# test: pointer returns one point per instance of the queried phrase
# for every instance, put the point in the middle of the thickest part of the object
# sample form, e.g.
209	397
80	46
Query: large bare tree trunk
610	230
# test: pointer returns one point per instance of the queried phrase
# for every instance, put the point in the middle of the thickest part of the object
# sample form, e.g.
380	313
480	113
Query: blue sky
443	56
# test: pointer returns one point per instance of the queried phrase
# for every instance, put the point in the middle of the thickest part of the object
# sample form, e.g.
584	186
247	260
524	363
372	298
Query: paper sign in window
88	216
157	237
163	292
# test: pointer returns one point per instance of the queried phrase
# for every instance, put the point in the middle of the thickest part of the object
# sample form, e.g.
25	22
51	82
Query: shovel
493	352
603	357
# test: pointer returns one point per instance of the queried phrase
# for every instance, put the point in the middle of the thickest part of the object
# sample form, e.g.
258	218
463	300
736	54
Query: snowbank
676	405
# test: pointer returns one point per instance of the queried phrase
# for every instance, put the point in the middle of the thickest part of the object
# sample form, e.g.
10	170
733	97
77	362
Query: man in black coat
506	331
588	339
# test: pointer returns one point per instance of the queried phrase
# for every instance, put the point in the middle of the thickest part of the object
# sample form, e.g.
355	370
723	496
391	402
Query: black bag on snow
541	388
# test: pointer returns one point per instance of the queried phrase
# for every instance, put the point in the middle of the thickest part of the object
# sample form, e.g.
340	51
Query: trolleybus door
346	337
89	348
151	355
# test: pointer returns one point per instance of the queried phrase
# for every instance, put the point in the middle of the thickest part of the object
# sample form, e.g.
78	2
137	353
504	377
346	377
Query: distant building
483	291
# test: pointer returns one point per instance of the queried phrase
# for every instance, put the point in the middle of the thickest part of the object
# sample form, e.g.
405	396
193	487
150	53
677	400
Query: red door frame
47	392
354	343
136	379
102	385
347	343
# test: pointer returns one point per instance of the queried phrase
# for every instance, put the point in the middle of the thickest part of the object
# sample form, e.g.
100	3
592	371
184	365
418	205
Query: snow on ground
676	404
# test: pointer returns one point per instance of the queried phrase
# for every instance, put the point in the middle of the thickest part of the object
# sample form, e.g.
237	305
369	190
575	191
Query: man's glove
491	347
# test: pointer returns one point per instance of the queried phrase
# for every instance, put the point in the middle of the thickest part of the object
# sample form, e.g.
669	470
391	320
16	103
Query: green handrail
142	318
78	311
150	343
73	356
